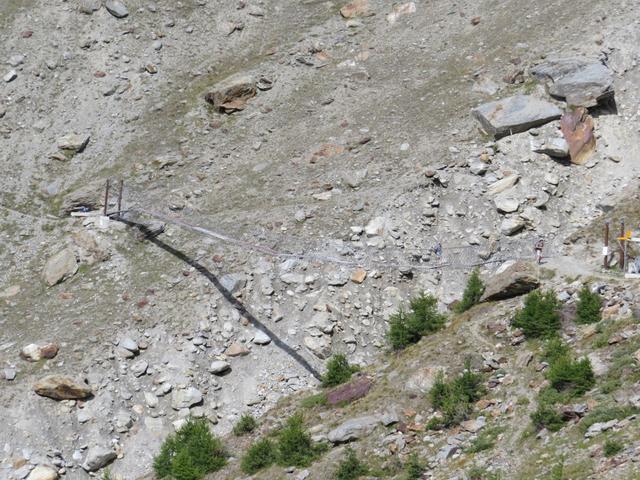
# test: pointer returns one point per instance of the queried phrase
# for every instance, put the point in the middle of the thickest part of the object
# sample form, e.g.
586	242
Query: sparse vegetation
485	440
540	316
589	306
472	293
414	468
350	468
606	414
312	401
611	448
246	424
190	453
546	416
408	327
338	371
455	398
481	473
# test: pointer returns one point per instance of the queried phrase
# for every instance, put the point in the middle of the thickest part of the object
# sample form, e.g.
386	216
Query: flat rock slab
350	392
516	280
580	82
232	94
73	142
353	429
515	115
61	388
60	267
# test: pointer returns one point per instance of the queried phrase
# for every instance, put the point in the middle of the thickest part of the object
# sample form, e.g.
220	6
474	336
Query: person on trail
438	250
538	248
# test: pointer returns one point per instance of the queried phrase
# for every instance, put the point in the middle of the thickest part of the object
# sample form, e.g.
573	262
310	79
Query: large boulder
185	398
116	8
87	197
581	82
73	142
517	279
515	115
35	353
59	387
232	93
353	429
60	267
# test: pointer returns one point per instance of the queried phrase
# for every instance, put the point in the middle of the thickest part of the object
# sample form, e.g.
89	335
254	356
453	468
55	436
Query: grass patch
472	292
414	468
481	473
455	398
540	316
350	468
589	308
606	414
312	401
190	453
611	448
338	371
408	327
246	424
486	440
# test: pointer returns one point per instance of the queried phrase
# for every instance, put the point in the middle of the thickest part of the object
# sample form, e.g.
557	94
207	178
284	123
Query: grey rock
130	345
151	399
581	82
261	338
185	398
16	60
9	374
116	8
74	142
516	279
446	452
60	267
10	76
98	457
319	346
233	282
219	366
123	421
597	428
389	418
478	167
232	93
43	472
139	368
515	114
511	226
506	204
89	6
554	147
503	184
353	429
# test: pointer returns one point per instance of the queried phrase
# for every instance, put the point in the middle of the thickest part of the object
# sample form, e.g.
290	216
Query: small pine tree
472	293
589	306
295	447
261	454
406	328
338	371
414	468
190	453
576	377
540	316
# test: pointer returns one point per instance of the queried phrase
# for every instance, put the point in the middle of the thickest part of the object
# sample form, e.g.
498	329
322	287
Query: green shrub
540	316
472	292
454	398
612	448
423	318
589	306
190	453
295	447
350	468
574	376
338	371
261	454
546	416
246	424
414	468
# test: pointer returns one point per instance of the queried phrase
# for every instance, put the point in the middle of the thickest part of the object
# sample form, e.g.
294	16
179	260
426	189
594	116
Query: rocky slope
359	145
